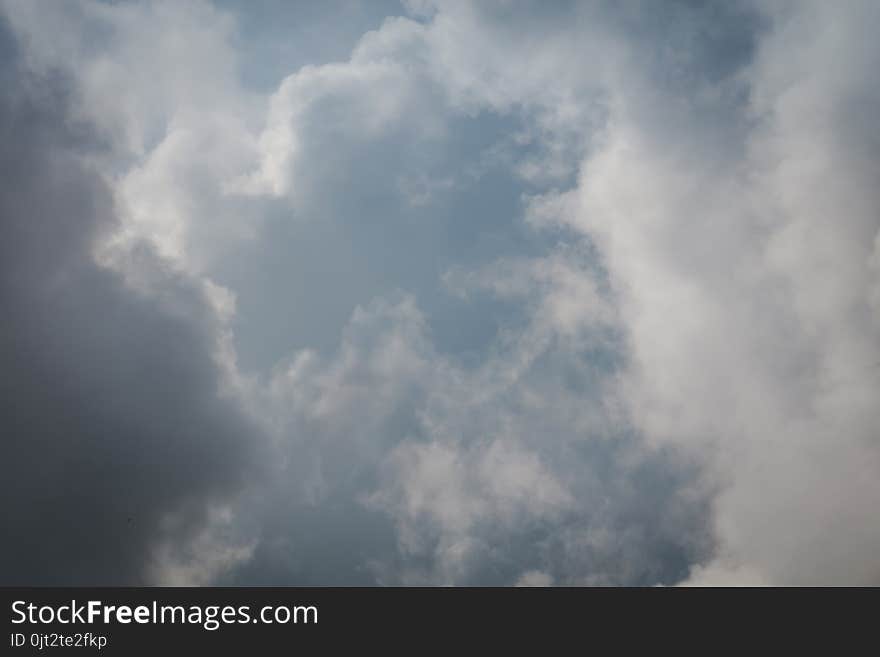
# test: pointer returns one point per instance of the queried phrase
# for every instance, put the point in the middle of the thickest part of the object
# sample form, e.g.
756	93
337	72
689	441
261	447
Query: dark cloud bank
114	436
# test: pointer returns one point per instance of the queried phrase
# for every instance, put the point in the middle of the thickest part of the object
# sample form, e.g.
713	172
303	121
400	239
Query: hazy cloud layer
497	293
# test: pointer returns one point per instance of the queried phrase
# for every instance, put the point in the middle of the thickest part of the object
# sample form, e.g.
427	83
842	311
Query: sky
440	293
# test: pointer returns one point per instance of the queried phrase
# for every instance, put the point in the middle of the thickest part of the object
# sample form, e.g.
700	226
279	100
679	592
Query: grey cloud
115	439
434	473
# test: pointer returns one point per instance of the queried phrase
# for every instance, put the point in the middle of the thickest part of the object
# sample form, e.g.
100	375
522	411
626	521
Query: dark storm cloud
114	438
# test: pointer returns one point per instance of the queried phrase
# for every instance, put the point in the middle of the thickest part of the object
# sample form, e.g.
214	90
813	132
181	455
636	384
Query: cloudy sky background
440	292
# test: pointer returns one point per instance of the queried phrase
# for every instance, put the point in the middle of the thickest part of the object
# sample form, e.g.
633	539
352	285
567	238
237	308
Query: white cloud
534	578
745	284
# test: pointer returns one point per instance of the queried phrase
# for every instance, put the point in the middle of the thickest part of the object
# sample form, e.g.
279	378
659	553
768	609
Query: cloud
117	444
463	474
511	293
745	278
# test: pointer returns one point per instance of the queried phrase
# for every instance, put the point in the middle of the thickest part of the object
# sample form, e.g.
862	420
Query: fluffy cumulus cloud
746	283
499	293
